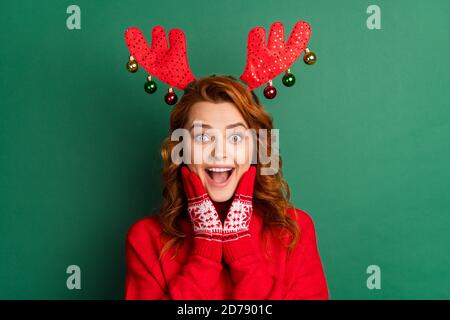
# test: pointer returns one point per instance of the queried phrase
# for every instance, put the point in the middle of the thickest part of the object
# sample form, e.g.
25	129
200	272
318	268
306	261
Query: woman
224	231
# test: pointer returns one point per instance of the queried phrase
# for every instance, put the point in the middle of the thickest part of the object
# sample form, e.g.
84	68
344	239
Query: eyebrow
203	125
237	124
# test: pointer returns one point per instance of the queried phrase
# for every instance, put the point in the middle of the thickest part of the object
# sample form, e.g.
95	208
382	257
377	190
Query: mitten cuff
238	248
209	248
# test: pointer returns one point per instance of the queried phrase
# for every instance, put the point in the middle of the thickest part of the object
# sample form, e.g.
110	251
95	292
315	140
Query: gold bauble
132	65
309	57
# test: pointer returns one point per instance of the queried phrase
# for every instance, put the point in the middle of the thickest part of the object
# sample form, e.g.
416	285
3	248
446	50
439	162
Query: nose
219	150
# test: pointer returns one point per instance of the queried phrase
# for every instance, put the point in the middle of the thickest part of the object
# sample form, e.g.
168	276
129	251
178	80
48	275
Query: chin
220	196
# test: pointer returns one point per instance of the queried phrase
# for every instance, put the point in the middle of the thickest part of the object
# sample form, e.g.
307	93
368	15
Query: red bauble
171	98
270	92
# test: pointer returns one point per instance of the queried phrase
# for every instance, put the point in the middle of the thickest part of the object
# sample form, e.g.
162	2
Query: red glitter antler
265	62
169	64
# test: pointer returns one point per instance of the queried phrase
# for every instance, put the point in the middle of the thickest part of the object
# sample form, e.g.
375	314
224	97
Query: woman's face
221	147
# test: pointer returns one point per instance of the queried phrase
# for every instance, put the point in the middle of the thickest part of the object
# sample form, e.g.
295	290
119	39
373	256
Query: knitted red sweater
199	270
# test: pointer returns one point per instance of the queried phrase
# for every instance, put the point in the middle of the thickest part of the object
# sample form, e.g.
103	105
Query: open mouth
219	175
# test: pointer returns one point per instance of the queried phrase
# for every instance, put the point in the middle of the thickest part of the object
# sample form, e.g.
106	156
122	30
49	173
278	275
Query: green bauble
288	79
150	86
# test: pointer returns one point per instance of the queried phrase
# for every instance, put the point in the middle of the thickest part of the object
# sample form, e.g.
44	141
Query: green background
364	137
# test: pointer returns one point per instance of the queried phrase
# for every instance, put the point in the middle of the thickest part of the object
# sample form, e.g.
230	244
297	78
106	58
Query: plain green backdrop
364	137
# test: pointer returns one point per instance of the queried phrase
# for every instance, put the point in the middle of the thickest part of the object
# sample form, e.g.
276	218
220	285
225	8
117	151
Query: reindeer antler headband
264	62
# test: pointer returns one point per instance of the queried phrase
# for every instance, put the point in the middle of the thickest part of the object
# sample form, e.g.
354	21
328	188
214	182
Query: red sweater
199	270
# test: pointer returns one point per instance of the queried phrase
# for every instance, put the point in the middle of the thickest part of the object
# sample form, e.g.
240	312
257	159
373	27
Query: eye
235	138
202	138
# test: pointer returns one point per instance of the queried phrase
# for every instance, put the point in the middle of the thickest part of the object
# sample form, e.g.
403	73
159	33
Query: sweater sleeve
253	281
309	282
196	278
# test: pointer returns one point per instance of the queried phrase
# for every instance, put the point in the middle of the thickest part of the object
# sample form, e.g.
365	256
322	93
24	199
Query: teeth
219	169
